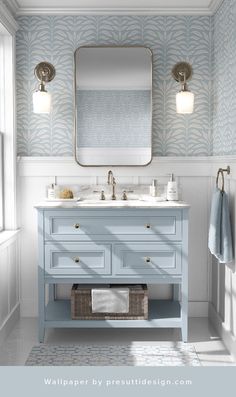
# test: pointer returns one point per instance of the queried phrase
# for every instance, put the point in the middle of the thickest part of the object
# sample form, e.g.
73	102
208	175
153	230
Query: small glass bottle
153	188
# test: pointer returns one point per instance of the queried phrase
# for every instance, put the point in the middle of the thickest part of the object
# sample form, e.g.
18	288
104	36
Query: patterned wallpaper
172	39
224	61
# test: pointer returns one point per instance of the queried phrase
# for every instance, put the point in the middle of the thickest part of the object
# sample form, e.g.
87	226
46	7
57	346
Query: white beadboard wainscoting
193	175
222	307
9	282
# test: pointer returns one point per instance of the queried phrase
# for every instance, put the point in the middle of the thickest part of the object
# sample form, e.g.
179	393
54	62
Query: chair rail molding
182	166
66	166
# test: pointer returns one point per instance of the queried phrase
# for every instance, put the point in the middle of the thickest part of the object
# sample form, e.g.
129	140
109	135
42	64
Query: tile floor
23	337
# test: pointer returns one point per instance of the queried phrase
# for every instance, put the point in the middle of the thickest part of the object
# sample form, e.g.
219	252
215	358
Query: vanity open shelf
162	314
130	245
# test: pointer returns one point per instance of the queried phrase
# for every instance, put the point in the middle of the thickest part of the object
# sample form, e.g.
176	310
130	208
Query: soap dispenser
51	191
172	189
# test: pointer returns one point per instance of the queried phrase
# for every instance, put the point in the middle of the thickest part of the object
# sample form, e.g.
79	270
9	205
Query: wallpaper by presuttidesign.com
172	39
224	63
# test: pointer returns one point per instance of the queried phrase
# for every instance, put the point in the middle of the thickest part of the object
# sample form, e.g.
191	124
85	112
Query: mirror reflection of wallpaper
171	38
113	118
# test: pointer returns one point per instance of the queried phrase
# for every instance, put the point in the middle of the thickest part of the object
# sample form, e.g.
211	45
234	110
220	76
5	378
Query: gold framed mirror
113	106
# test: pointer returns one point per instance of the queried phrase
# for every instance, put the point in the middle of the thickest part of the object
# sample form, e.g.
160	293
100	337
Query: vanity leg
41	280
176	292
41	305
184	313
52	294
184	284
184	307
41	333
185	332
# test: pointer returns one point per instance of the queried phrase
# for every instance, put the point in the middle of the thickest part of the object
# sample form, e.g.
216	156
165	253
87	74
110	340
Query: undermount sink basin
121	203
105	203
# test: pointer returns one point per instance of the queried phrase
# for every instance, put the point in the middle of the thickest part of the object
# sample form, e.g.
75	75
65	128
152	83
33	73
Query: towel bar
221	172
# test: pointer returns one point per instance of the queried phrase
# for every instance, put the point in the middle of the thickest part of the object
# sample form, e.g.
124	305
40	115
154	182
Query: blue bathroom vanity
120	243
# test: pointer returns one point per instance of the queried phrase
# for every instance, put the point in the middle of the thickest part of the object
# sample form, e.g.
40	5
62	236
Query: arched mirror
113	106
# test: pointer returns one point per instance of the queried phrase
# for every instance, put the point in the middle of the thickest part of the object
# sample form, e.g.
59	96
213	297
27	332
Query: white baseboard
9	323
29	308
226	335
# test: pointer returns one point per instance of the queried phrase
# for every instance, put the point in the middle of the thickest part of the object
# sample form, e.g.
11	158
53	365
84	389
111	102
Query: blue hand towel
220	235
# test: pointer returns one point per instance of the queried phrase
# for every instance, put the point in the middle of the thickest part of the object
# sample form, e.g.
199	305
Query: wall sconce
182	72
44	72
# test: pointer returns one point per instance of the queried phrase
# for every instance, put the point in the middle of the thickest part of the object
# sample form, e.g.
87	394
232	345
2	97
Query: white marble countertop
99	204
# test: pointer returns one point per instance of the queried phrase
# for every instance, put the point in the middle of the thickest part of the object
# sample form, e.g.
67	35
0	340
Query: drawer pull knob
76	259
77	226
148	260
148	226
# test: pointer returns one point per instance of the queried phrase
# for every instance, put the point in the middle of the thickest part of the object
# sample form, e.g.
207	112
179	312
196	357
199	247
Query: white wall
193	175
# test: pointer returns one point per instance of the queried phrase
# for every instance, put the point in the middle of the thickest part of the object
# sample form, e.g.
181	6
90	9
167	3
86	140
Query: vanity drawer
83	259
147	259
151	224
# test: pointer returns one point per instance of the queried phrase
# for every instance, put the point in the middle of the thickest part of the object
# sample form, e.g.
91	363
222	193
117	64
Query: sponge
66	194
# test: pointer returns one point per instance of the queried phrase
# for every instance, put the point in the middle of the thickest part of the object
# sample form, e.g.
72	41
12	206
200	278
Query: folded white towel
110	300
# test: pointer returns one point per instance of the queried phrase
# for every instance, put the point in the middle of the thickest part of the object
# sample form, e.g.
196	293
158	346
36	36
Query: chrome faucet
111	181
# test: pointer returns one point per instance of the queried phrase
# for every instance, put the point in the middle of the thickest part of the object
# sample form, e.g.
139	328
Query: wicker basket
81	304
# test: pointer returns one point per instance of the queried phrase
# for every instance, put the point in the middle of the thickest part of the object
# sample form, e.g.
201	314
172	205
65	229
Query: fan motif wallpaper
172	39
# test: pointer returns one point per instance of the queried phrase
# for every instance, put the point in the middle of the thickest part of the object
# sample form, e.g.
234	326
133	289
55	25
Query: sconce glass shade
44	72
41	102
184	102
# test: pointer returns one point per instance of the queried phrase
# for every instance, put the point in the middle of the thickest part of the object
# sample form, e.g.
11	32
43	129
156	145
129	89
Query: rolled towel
110	300
220	235
215	222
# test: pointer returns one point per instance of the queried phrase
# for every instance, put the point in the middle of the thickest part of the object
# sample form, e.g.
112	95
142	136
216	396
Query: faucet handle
102	197
124	195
